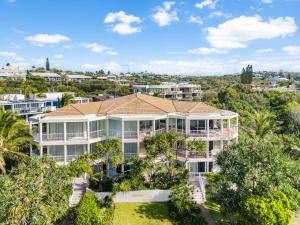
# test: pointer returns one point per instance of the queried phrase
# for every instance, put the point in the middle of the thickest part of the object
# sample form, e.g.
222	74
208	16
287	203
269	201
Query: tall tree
65	100
14	137
110	152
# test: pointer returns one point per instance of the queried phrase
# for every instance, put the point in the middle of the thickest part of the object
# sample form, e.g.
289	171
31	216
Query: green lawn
142	214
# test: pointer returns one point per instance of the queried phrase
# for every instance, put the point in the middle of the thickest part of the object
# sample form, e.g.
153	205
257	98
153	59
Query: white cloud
39	61
59	56
18	31
122	23
264	50
11	1
205	51
206	3
67	46
11	55
98	48
235	33
90	66
266	1
112	53
292	49
195	19
164	16
41	39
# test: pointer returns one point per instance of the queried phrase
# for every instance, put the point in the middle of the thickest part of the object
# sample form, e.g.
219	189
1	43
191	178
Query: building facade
171	90
14	73
75	129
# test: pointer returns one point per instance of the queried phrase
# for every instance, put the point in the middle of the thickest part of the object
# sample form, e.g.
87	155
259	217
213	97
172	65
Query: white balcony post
207	128
167	124
122	130
65	154
122	165
229	126
138	130
222	126
88	130
107	127
187	126
41	150
40	132
65	131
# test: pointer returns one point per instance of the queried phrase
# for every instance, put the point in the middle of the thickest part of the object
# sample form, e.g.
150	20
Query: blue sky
204	37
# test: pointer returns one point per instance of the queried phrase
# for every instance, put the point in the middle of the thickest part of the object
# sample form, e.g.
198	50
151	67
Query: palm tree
261	125
110	152
65	100
14	137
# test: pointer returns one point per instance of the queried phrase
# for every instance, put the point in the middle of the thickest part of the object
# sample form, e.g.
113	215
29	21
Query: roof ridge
73	106
138	96
100	104
125	102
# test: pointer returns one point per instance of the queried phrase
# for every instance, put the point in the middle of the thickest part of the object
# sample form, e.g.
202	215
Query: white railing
146	133
197	180
161	130
214	133
71	157
129	154
130	134
53	136
97	133
75	135
57	158
115	134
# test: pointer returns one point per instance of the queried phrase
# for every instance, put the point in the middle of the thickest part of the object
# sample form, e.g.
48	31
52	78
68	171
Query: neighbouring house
35	104
180	91
75	129
77	77
100	97
11	72
47	76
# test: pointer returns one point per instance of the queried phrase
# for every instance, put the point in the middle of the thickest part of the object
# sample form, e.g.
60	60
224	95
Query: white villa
75	129
171	90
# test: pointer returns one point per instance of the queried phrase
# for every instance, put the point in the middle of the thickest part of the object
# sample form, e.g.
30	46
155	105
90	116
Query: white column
187	126
207	127
88	130
222	126
122	165
65	131
65	154
107	127
41	150
138	130
41	132
167	124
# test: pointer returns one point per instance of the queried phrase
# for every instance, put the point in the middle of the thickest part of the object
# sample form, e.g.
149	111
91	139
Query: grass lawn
155	213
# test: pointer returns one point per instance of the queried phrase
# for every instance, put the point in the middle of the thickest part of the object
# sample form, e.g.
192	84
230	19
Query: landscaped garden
155	213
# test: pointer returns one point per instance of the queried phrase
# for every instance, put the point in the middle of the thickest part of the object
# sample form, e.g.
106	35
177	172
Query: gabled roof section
135	104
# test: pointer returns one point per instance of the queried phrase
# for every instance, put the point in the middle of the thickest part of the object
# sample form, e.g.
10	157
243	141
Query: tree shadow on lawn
154	210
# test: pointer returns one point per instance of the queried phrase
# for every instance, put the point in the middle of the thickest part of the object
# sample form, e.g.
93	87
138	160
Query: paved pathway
79	188
295	219
206	215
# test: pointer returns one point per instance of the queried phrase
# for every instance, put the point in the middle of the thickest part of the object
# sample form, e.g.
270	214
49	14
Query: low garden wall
136	196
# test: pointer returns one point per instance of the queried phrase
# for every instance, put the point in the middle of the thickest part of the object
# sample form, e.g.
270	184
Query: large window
56	152
160	124
146	125
75	127
56	128
197	125
172	123
130	149
75	150
181	124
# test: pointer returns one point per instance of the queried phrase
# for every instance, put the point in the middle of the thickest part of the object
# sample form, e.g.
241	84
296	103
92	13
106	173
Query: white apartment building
171	90
77	77
75	129
10	72
47	76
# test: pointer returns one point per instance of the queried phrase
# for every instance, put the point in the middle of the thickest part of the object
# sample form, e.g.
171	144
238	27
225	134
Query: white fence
136	196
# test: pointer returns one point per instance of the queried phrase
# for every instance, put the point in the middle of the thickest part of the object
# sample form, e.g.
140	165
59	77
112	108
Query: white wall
136	196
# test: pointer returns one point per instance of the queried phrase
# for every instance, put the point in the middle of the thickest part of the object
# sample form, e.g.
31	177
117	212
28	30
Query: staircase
79	186
197	182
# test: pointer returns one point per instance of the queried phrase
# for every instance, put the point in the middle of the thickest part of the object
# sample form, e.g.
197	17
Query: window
181	124
197	125
172	123
146	125
130	149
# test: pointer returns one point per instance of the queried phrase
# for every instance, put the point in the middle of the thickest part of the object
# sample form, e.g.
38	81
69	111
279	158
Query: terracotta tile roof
135	104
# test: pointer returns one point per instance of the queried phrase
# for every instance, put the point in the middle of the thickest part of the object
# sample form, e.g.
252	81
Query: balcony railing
97	133
71	136
129	155
189	154
115	134
53	136
161	130
146	133
57	158
211	133
130	134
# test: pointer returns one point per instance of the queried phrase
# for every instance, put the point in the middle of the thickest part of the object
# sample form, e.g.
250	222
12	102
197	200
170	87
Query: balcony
184	153
98	134
146	133
130	155
75	136
115	134
130	134
53	136
214	133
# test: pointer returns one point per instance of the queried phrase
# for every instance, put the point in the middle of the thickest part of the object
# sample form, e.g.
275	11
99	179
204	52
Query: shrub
88	211
123	186
267	210
100	183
